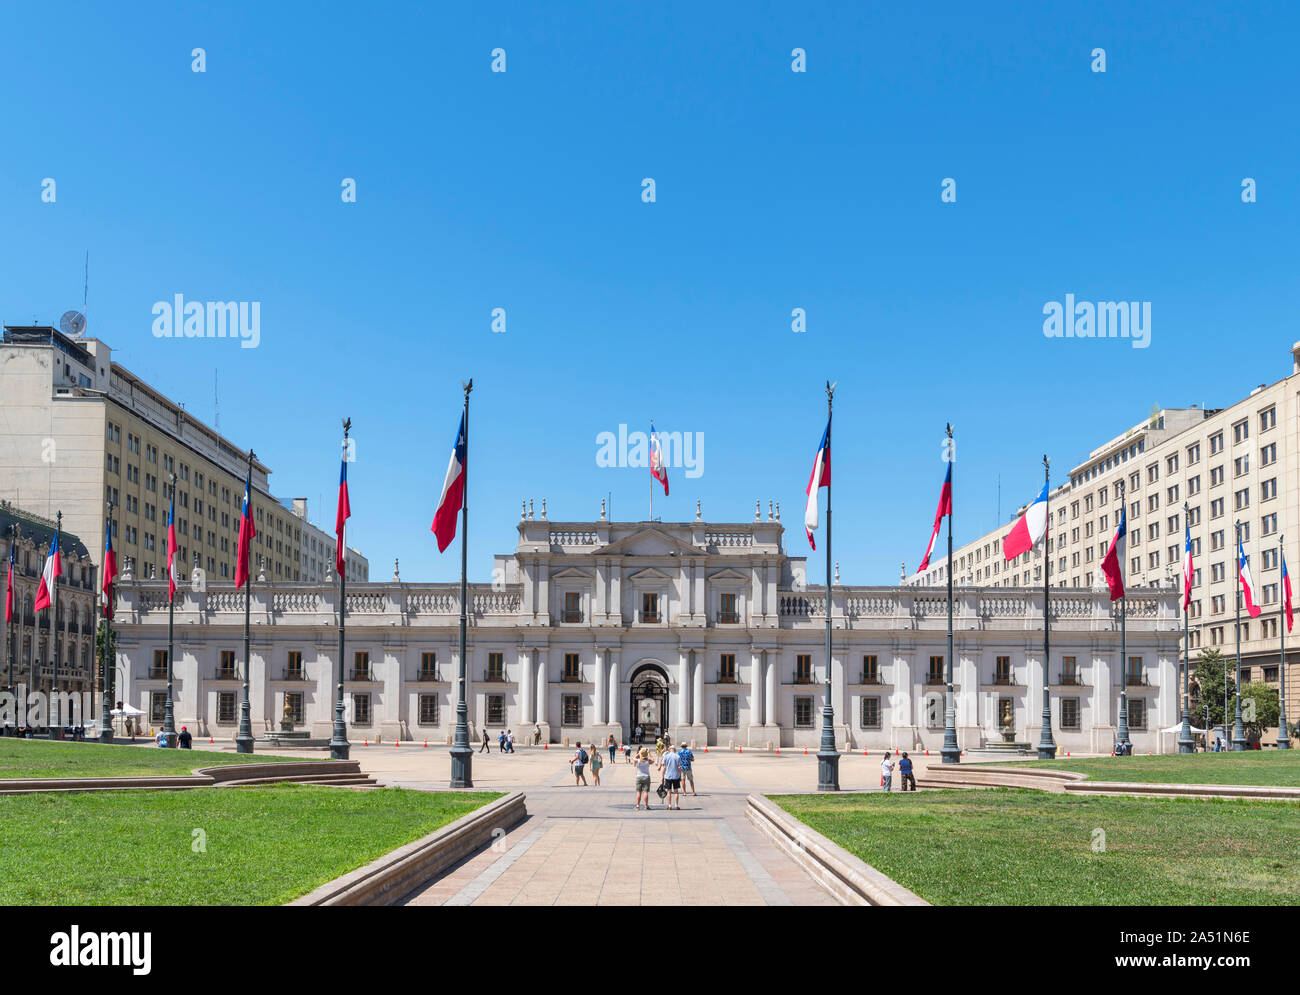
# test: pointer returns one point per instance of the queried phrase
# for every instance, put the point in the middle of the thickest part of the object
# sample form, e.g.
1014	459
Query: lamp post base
1046	751
951	755
828	771
243	744
340	751
1283	742
106	734
462	767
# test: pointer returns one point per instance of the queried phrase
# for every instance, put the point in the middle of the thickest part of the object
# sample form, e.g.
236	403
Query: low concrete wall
1246	791
396	874
201	778
849	879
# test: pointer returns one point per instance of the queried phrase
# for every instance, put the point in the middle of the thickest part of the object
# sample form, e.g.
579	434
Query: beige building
317	554
78	430
1229	464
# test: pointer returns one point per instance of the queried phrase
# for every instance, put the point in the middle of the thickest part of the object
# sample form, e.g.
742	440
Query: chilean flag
453	492
9	581
820	477
1286	593
1188	572
247	531
945	508
657	468
1025	534
341	520
171	548
53	568
1247	585
110	571
1113	565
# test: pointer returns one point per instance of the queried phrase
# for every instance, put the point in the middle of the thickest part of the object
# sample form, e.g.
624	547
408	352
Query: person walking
638	733
887	773
905	769
510	741
486	747
643	778
672	766
185	738
596	764
501	741
686	760
579	762
612	747
659	752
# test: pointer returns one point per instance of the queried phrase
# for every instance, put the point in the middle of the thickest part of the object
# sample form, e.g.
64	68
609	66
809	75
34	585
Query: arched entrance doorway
649	702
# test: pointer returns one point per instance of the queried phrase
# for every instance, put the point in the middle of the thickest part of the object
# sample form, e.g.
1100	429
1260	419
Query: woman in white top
643	778
886	773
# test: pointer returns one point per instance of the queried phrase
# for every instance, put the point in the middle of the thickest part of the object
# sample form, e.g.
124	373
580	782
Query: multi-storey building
1229	466
705	630
318	548
29	643
80	430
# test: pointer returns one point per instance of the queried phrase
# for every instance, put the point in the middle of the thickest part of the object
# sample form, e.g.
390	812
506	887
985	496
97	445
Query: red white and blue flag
657	468
247	532
53	569
1286	594
453	492
341	520
945	508
1113	565
1188	572
1247	585
820	477
110	571
171	548
9	580
1024	535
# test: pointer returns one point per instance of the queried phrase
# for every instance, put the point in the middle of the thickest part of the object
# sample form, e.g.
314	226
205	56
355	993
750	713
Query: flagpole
1185	742
106	676
1283	740
244	739
169	711
951	751
1046	747
461	755
1238	731
56	729
9	628
1121	733
828	758
339	746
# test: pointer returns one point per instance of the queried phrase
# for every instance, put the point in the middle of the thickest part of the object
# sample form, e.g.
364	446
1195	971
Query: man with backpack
905	769
579	762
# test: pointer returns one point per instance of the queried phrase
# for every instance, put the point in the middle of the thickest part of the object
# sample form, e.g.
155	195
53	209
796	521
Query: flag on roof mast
453	492
1024	535
110	571
820	477
341	520
657	468
53	568
1247	585
171	548
1113	564
247	531
945	508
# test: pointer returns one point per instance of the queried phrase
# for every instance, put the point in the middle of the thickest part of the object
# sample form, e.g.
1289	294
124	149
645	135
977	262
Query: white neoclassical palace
592	628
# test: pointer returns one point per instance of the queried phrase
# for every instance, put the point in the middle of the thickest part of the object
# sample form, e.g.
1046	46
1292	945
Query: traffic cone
209	740
864	753
805	751
706	749
365	742
927	753
740	749
546	746
895	753
397	741
778	751
426	744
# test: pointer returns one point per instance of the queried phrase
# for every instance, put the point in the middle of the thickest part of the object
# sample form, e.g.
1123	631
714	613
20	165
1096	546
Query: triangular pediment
649	542
572	574
650	576
728	575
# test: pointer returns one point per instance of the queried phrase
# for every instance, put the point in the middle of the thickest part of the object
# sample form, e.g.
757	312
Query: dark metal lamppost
1238	730
1185	742
951	752
462	757
340	748
10	629
1283	740
106	667
1046	745
244	739
1121	733
56	728
828	758
169	709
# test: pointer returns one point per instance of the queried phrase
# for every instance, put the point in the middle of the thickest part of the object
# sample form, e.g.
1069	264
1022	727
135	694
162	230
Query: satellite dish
72	323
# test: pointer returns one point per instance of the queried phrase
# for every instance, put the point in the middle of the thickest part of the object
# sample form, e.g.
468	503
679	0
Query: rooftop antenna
216	407
85	287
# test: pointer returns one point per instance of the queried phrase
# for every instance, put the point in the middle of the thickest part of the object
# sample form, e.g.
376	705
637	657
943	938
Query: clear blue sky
775	190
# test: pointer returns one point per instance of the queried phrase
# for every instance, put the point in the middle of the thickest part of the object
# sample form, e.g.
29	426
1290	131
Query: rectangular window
1069	713
225	707
573	606
1002	670
571	711
1268	489
159	669
1240	431
496	710
727	711
1069	670
428	709
1137	713
935	674
649	608
361	709
870	713
727	668
157	706
1268	454
870	670
293	666
727	613
803	672
294	700
226	670
1267	419
803	713
1133	672
572	668
496	669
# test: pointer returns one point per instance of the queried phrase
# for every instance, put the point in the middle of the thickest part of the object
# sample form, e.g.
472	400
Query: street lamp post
1046	745
462	757
1121	734
1185	741
340	748
1238	730
951	752
169	710
828	758
9	627
106	668
244	739
56	728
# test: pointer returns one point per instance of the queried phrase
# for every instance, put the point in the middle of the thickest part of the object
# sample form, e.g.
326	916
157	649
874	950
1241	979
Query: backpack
582	756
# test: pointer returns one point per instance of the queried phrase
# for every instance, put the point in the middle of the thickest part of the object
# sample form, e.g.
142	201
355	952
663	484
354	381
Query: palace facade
706	630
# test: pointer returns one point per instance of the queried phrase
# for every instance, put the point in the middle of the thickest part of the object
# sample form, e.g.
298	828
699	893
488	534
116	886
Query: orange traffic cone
740	749
895	753
546	746
778	751
397	741
864	753
426	744
209	740
706	749
365	742
927	753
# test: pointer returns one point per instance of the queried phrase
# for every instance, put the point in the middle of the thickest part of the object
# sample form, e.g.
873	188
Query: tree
1259	699
1209	674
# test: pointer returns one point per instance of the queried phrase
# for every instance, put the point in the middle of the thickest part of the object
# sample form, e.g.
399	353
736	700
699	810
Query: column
616	593
542	690
697	697
613	689
769	700
755	686
600	698
527	701
699	590
681	714
599	607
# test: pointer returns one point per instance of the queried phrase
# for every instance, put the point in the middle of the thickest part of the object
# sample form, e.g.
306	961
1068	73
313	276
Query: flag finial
697	509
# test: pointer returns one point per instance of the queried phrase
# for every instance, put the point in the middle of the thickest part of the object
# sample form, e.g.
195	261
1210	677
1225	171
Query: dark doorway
649	703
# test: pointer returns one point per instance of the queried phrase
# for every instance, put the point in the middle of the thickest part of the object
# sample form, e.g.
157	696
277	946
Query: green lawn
1276	767
264	845
42	758
1012	847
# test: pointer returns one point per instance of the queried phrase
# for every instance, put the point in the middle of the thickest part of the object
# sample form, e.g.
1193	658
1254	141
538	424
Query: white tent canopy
1179	728
126	710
